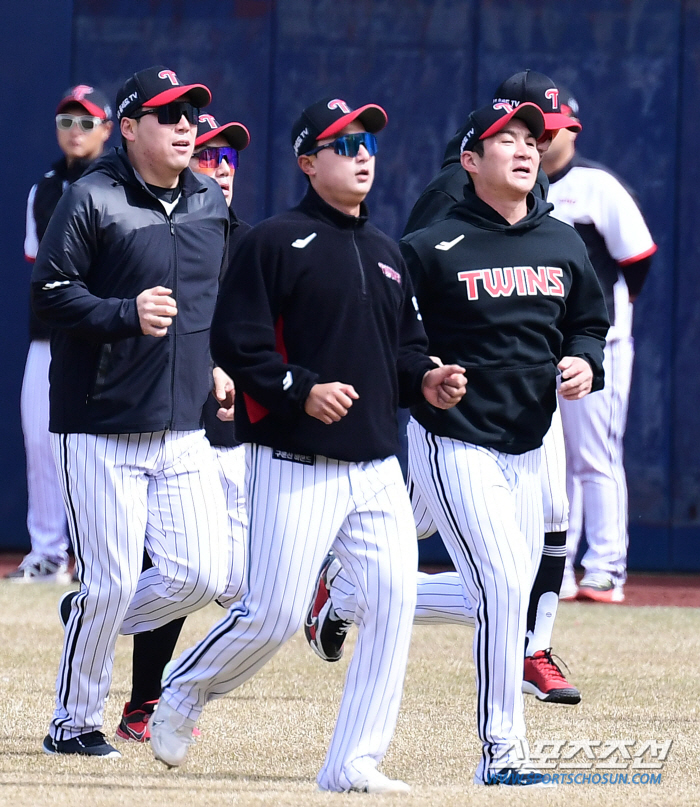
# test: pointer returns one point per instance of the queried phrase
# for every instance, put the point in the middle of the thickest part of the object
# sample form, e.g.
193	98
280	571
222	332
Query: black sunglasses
171	113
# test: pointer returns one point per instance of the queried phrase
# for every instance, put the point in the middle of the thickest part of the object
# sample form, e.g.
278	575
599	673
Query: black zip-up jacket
448	186
506	302
316	296
108	240
223	433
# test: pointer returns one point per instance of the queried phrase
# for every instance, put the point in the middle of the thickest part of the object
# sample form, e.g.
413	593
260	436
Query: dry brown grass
262	745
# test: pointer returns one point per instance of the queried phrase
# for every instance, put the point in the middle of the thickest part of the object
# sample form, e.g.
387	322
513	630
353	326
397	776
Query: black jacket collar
313	205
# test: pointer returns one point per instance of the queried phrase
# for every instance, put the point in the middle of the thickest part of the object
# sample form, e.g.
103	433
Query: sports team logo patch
81	91
387	271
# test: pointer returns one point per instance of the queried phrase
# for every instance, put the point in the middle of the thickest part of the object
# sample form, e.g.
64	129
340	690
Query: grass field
636	667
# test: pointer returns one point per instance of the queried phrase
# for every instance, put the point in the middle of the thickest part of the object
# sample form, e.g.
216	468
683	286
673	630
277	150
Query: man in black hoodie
318	327
83	126
508	292
127	274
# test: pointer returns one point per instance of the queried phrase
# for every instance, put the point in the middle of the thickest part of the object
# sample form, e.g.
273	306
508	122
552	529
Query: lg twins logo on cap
503	105
338	103
170	75
387	271
553	96
81	91
208	119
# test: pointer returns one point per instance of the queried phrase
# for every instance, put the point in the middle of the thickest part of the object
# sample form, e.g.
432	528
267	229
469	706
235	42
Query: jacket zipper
363	281
173	328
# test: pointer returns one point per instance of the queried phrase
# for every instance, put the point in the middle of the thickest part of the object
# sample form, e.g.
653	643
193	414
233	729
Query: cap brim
371	116
198	94
236	134
553	121
93	109
529	113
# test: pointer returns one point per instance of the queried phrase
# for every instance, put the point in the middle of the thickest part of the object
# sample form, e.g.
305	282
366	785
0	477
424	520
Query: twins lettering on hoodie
521	280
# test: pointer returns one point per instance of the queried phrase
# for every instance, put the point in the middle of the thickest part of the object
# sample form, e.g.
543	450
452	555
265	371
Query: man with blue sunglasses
318	327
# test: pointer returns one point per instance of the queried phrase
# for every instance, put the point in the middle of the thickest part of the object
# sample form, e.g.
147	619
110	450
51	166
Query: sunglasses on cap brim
86	123
349	145
170	113
210	158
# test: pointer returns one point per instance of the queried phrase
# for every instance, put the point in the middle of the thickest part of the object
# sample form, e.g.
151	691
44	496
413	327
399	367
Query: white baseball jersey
591	199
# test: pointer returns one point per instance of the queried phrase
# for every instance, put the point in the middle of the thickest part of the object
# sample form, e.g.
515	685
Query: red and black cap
157	86
90	98
536	88
327	117
208	128
489	120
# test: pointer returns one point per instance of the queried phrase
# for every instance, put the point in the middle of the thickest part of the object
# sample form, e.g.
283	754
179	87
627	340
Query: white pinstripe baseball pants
46	513
297	513
488	508
594	428
160	490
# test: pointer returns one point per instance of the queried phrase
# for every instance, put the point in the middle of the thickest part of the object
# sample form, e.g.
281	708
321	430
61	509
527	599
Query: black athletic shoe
92	744
324	630
64	606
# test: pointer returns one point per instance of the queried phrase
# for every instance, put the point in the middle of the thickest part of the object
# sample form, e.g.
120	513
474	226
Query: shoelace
550	660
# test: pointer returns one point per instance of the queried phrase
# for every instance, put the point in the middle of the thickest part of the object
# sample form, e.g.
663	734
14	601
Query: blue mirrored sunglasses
349	145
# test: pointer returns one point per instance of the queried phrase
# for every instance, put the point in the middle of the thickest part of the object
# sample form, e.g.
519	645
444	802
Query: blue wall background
633	64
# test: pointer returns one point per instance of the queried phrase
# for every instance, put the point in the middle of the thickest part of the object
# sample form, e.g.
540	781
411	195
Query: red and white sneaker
133	726
324	630
600	587
543	679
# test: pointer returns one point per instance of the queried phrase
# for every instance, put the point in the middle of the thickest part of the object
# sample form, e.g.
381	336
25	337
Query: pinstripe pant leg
377	546
471	492
231	465
295	512
46	513
441	599
553	476
186	534
594	428
104	484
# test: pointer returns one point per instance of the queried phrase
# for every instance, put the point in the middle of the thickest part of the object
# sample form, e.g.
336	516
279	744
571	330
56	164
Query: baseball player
294	330
439	597
593	200
509	292
83	125
127	274
216	154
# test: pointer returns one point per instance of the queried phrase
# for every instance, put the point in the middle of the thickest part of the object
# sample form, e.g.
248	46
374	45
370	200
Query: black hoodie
506	302
108	240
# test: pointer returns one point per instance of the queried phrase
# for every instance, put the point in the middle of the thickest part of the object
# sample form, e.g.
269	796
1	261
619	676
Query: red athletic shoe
600	587
134	725
324	630
543	679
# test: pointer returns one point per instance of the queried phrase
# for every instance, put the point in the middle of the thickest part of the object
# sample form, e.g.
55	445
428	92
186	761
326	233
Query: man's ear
127	127
307	164
468	162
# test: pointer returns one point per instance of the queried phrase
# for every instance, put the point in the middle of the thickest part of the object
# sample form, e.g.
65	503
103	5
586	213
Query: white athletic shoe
376	782
600	587
171	735
40	570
